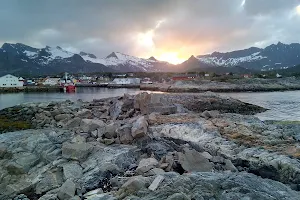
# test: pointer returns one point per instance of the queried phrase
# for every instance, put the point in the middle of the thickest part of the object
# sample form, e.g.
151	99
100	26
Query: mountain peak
112	55
192	58
152	58
87	54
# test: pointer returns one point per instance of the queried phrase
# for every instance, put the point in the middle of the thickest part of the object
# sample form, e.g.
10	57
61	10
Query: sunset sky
171	30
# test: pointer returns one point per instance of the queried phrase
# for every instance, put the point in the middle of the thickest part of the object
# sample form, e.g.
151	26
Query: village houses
10	81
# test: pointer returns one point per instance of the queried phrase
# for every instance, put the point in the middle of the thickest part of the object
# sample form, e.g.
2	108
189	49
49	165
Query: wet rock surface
149	146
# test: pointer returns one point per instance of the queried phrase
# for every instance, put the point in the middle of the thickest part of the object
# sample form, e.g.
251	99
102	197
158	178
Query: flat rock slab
76	151
191	160
154	185
146	164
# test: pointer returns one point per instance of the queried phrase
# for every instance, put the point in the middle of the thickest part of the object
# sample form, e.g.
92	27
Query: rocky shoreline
148	146
32	89
242	85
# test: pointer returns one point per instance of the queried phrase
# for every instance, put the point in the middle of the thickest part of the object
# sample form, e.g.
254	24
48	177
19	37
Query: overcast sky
163	28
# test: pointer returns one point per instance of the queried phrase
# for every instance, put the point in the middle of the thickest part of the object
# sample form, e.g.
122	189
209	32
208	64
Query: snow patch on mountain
31	54
58	53
117	58
220	61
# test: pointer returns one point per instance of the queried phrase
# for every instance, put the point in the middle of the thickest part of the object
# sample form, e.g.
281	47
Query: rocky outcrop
207	186
226	84
206	149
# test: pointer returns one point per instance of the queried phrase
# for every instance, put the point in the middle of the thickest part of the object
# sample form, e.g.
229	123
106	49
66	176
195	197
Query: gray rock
89	125
191	160
72	171
49	197
84	113
230	166
148	103
78	139
93	192
210	114
154	172
62	117
116	109
133	184
154	185
72	123
146	164
101	197
110	130
124	134
108	141
67	190
139	128
209	185
75	198
21	197
22	163
76	151
49	180
178	196
94	133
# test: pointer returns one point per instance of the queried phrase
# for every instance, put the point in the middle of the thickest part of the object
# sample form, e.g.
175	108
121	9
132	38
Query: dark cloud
188	27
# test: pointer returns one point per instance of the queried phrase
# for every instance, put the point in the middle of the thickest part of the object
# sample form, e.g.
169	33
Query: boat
68	85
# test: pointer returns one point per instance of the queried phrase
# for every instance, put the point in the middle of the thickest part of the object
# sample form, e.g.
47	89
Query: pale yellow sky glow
298	9
145	41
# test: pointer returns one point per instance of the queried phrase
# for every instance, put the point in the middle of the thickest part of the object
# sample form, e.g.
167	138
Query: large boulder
89	125
208	185
139	128
116	109
49	180
67	190
76	151
60	117
191	160
148	103
72	123
146	164
84	113
110	130
72	171
124	134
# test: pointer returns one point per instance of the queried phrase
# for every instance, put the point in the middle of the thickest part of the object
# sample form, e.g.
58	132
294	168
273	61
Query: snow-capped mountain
23	59
275	56
122	62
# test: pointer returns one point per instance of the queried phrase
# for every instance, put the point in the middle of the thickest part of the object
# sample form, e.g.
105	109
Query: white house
10	81
126	81
51	81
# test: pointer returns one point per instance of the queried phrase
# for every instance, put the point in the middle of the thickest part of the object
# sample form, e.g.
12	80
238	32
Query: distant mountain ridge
275	56
23	59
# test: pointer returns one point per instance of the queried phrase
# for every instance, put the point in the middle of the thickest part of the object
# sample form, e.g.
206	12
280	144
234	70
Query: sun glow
146	39
298	9
171	57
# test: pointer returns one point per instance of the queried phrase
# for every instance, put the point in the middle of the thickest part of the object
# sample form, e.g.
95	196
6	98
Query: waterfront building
10	81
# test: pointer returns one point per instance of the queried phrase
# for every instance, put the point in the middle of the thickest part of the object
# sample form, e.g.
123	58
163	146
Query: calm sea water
282	105
88	94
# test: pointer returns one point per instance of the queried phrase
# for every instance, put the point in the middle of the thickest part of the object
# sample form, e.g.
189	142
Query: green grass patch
10	125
